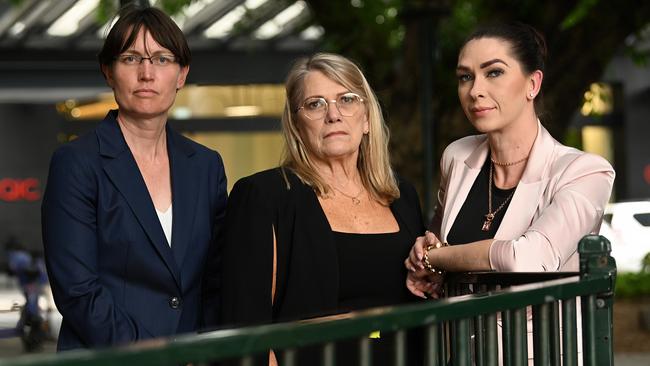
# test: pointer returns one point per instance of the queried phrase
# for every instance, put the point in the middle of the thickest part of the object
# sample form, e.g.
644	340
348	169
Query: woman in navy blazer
130	210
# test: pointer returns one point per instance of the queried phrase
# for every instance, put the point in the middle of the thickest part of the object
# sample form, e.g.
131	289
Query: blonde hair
373	162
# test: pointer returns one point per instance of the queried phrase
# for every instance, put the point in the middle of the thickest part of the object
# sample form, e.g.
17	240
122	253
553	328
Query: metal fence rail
472	319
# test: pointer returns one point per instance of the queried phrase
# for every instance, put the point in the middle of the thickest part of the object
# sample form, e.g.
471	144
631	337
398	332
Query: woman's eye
314	104
128	59
494	73
346	99
464	77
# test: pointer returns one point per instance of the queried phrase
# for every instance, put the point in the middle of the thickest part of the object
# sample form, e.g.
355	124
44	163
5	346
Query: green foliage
579	13
640	57
173	7
572	138
630	285
108	8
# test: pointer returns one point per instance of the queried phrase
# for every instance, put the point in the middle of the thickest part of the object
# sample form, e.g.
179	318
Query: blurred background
596	97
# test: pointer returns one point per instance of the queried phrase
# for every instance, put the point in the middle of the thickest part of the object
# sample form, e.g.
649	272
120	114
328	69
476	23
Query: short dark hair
161	27
527	43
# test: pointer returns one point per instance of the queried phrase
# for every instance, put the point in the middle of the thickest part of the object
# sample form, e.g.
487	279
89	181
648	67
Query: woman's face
334	136
493	89
145	90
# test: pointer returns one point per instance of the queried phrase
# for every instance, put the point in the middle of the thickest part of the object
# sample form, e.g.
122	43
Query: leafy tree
582	37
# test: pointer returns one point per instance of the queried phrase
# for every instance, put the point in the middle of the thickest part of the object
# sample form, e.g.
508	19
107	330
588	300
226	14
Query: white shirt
166	223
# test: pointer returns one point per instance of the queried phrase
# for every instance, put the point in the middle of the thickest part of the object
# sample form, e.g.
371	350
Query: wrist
427	262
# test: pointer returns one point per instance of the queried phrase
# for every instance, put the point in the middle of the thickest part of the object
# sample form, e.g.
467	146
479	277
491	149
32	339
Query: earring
532	95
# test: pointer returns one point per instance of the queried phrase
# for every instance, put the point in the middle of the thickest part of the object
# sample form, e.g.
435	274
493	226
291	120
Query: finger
409	265
420	244
431	238
417	253
411	287
414	262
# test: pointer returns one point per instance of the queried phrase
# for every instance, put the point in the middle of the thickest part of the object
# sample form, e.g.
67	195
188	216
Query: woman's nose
333	113
145	70
477	89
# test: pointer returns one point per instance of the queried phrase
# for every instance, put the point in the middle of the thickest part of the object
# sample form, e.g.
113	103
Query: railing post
597	313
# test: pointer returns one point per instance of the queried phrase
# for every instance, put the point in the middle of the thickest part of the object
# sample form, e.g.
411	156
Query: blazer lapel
184	193
525	201
122	170
460	181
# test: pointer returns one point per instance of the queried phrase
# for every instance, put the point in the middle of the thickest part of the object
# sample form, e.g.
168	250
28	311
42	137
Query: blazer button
175	302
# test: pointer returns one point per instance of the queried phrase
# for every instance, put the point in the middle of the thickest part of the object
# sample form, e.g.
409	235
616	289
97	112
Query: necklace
510	163
355	199
490	215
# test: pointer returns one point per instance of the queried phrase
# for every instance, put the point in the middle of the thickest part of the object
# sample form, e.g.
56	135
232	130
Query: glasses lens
129	59
315	108
348	104
163	60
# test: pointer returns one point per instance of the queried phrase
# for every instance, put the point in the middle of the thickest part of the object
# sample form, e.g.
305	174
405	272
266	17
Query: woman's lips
336	133
145	92
481	111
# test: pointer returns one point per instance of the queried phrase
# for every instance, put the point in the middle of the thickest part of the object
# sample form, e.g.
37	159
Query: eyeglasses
315	108
157	60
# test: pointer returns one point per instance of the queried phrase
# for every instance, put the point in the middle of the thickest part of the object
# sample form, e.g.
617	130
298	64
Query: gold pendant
488	222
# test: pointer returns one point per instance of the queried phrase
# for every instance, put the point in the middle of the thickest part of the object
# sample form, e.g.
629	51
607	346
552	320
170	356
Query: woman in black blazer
294	235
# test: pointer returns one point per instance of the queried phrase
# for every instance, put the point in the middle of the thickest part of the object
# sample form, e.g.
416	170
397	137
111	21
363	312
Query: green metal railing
460	330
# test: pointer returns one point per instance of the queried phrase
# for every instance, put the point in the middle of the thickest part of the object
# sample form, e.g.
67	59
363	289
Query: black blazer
307	270
114	277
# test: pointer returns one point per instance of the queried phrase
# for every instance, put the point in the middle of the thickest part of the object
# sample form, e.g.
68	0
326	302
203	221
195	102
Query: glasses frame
327	104
173	59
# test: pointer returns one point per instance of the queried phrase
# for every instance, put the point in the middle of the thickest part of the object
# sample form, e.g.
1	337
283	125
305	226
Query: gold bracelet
427	264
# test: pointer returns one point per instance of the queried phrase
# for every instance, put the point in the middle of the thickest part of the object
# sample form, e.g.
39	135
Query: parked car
627	226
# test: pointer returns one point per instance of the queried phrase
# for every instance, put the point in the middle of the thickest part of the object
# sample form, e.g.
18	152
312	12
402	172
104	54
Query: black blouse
386	271
380	284
470	219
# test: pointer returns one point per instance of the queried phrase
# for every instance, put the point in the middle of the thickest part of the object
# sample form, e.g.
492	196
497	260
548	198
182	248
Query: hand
424	283
414	260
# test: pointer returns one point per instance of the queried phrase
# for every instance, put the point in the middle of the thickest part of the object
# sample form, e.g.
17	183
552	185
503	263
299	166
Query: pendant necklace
490	215
355	199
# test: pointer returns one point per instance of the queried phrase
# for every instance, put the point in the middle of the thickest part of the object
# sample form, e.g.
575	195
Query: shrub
630	285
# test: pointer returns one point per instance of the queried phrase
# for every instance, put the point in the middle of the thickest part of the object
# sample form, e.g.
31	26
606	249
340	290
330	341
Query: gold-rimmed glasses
316	108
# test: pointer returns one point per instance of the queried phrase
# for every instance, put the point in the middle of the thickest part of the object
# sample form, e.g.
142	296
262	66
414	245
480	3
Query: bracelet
427	264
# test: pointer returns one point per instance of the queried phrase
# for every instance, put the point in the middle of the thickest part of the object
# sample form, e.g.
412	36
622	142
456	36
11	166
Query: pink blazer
560	198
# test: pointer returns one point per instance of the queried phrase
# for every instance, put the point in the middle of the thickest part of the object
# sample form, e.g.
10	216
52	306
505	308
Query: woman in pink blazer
512	198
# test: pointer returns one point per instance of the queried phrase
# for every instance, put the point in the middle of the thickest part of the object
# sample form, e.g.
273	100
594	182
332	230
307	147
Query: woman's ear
182	76
535	84
107	71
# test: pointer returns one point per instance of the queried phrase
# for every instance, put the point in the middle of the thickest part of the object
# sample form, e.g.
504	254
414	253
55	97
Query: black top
386	271
470	219
307	282
382	283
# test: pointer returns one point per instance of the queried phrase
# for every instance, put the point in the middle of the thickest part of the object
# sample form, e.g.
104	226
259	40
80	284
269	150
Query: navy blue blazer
113	275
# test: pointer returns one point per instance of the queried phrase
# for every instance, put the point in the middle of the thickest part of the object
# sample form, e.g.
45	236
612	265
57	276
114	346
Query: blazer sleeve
438	211
69	223
211	286
575	210
247	256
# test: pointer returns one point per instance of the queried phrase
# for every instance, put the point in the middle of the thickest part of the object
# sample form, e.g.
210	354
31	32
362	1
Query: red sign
12	190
